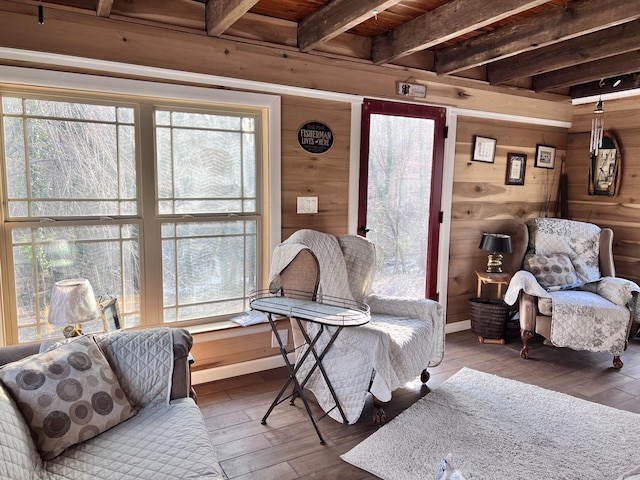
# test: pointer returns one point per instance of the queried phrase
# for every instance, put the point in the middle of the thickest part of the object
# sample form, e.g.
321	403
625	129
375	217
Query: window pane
79	111
206	163
209	268
107	255
69	159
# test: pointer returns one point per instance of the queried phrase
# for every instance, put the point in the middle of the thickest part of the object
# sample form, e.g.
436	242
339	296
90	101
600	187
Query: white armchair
403	338
567	289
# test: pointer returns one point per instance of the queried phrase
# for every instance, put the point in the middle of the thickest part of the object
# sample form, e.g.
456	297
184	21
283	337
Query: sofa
158	431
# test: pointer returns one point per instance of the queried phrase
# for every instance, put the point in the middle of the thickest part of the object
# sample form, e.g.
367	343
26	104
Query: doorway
399	205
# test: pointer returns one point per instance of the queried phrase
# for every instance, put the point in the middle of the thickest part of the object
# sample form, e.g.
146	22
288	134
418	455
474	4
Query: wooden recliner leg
525	335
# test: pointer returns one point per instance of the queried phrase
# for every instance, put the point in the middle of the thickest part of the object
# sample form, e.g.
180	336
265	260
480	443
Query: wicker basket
489	317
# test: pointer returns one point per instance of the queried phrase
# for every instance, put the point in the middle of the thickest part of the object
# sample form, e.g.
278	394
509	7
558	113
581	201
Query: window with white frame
73	175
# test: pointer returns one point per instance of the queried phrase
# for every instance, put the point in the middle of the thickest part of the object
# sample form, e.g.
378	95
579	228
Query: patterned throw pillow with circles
551	270
67	395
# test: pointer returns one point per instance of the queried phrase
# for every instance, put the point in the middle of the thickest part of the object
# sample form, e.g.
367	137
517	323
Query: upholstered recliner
567	289
403	338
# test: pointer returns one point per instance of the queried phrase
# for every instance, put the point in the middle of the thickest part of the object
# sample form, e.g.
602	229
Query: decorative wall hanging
315	137
605	169
516	164
545	156
597	128
484	149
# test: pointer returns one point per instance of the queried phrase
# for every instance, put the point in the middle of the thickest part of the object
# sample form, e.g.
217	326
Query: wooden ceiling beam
627	82
444	23
335	18
221	14
103	7
588	72
595	46
555	25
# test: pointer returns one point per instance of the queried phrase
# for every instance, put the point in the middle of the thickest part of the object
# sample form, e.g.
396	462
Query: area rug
503	429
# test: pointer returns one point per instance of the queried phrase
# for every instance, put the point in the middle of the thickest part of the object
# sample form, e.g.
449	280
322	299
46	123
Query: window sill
226	325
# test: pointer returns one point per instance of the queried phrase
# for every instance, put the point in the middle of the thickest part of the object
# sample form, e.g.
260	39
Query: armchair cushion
67	395
579	240
555	270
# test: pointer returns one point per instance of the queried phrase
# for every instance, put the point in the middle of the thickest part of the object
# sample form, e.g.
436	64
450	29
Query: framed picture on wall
516	164
484	149
545	156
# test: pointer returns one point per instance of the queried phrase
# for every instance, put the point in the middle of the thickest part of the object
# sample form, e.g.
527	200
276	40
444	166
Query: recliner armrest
528	309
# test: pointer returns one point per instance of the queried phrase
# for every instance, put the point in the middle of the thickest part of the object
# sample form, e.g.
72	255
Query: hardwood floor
288	448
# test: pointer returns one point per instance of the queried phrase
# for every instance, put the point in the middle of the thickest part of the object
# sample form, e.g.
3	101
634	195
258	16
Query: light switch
307	204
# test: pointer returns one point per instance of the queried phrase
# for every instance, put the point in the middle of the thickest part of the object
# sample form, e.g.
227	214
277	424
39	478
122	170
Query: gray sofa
165	439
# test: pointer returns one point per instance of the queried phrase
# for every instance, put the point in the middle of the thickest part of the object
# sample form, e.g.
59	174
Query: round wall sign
315	137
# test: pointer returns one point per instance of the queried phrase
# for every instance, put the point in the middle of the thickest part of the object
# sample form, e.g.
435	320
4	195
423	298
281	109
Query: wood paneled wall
324	176
481	200
622	212
483	203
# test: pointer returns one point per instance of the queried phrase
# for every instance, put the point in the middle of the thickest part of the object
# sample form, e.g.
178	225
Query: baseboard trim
237	369
457	326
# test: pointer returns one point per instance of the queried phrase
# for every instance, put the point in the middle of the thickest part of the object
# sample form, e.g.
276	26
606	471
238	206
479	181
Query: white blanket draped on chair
390	344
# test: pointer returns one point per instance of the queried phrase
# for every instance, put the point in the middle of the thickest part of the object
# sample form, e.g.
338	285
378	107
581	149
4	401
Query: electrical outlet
284	336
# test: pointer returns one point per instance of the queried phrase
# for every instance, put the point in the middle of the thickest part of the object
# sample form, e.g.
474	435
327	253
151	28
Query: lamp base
494	263
71	331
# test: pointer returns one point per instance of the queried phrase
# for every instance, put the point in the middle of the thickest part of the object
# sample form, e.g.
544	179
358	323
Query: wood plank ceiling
574	47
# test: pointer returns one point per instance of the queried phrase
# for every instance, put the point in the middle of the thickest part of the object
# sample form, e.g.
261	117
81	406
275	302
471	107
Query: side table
499	279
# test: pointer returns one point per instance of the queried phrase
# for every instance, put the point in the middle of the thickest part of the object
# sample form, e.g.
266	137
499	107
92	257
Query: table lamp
72	303
497	243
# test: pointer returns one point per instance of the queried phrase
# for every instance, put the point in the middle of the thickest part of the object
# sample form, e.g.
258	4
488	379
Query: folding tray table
326	312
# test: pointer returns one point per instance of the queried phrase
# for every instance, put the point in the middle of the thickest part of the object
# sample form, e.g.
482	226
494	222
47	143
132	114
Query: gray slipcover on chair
567	289
403	338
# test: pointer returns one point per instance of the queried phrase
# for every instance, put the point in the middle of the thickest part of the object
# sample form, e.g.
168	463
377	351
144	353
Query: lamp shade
495	242
73	302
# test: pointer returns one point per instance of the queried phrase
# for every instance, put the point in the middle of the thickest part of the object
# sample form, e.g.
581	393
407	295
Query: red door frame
437	114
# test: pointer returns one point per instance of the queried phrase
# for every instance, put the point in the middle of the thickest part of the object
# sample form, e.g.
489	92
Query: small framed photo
516	164
545	156
484	149
111	315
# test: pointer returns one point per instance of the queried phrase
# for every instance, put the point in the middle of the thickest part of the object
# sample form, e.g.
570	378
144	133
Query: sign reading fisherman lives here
315	137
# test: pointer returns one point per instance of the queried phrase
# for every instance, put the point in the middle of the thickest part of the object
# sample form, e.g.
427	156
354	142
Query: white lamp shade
72	301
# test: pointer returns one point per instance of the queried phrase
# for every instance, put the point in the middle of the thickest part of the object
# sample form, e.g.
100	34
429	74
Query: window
189	249
207	166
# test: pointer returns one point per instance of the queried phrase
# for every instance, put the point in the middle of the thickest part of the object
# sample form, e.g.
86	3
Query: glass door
402	150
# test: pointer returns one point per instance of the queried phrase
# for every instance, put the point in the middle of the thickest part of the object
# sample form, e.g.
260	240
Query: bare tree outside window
400	158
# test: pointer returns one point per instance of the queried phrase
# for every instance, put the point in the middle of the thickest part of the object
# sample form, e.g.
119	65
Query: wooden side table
499	279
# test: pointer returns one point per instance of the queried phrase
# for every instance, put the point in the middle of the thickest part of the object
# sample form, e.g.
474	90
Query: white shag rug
503	429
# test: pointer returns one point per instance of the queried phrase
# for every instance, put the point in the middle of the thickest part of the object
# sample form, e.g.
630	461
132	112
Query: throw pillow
66	395
551	270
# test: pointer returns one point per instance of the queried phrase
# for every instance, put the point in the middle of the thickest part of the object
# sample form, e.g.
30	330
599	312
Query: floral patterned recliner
567	289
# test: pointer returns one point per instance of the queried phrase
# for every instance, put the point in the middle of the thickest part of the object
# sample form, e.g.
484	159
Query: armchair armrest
420	308
528	309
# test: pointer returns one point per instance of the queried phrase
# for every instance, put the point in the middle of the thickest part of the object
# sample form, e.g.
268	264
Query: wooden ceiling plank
556	25
588	72
595	46
335	18
221	14
103	7
451	20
